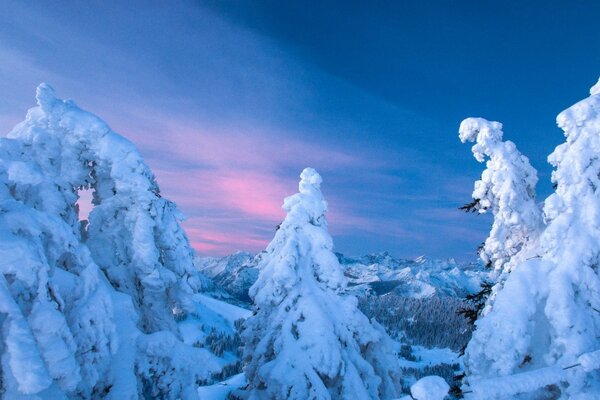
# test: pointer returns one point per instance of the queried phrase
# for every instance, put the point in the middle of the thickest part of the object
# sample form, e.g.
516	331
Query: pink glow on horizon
220	243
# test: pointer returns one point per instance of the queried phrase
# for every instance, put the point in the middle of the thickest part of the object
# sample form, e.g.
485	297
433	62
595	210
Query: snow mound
430	388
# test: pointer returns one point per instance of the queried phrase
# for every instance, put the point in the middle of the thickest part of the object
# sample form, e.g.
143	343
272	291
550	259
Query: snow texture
507	387
305	340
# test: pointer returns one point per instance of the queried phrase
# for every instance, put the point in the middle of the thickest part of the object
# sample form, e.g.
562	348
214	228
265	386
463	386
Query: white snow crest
595	89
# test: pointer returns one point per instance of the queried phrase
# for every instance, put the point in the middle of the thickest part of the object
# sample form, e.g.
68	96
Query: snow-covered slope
234	273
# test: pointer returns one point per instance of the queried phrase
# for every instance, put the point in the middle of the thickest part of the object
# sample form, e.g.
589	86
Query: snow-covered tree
546	317
306	340
507	189
65	332
133	234
56	314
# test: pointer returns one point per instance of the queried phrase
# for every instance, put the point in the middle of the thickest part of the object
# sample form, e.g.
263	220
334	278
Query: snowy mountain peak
421	259
371	274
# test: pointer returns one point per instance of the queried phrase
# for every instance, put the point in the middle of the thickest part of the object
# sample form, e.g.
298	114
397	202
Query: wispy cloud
245	176
227	120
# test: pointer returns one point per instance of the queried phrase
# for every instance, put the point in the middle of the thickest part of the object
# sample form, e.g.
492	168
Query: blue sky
229	100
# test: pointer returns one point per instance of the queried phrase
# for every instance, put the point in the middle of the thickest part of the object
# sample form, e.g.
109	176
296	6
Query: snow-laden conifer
57	324
133	232
507	189
306	339
546	317
65	332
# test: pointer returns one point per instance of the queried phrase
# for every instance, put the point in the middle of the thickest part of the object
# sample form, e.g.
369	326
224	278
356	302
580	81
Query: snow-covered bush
507	189
546	316
305	340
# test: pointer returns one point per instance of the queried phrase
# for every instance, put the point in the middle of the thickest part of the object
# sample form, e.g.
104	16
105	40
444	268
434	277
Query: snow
430	357
429	388
507	189
211	315
505	387
595	89
219	391
113	307
230	312
377	273
590	361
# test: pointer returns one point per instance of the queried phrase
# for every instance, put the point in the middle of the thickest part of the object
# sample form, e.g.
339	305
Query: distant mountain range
374	274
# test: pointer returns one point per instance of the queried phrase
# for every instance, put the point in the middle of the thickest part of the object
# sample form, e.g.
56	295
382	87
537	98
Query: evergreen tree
306	340
133	232
57	319
545	317
506	188
65	332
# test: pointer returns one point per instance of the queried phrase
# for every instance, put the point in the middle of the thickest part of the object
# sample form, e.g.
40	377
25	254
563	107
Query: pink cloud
212	241
240	179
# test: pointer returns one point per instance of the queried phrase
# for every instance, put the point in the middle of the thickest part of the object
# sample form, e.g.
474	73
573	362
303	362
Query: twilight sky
229	100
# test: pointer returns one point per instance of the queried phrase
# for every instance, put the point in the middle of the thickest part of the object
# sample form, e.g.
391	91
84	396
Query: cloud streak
226	119
243	180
